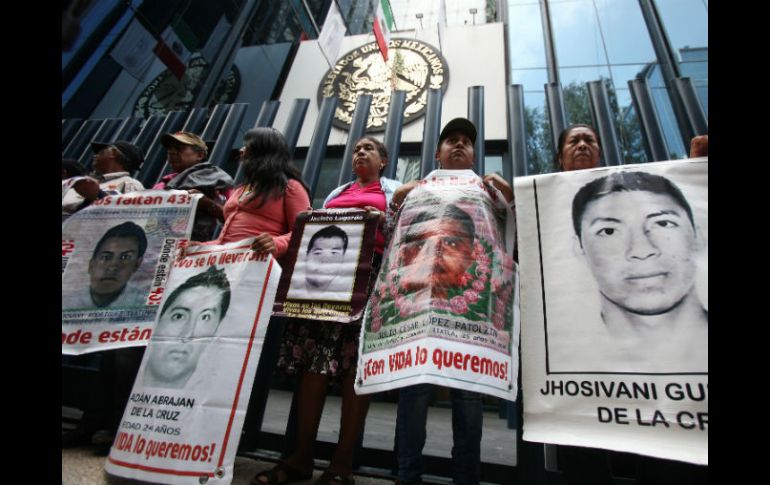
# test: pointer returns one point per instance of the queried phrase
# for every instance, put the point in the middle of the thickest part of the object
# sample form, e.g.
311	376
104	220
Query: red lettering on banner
140	200
77	337
67	246
459	360
155	296
179	451
374	367
124	441
125	335
400	360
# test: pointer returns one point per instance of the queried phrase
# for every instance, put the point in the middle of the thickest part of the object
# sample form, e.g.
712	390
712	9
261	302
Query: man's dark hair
211	278
326	233
127	230
449	211
625	182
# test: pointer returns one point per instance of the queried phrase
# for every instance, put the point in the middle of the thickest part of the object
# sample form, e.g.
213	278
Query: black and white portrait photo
118	254
326	262
190	316
625	269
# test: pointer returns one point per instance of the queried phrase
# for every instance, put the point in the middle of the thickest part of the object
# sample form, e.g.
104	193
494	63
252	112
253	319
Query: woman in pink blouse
265	207
272	195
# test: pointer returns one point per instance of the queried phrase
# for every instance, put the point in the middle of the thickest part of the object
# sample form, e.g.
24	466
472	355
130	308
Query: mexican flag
383	24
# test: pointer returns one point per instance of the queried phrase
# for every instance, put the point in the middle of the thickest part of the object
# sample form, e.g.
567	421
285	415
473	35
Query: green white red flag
383	25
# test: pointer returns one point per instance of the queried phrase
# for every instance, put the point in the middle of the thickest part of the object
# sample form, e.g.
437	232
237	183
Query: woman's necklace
246	192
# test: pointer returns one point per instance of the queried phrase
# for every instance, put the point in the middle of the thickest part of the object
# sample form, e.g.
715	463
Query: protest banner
330	260
116	259
444	306
184	417
614	305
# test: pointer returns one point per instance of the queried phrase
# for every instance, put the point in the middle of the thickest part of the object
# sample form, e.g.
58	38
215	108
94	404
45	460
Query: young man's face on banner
323	261
194	314
641	249
435	254
111	268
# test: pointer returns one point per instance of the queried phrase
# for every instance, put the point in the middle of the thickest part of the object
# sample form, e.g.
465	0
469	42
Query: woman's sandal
330	478
271	476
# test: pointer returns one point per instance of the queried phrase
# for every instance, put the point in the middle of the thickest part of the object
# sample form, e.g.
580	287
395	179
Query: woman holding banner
579	148
321	351
265	207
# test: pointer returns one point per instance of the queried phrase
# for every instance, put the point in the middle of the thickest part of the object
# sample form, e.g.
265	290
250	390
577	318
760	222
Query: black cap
462	125
132	154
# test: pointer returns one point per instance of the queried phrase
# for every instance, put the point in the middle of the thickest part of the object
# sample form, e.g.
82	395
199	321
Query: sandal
330	478
271	476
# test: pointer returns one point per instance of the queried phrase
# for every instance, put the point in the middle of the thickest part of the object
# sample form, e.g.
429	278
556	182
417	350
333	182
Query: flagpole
312	19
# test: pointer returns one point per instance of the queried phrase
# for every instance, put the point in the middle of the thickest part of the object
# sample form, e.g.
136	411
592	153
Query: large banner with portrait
116	259
186	410
444	306
614	305
329	264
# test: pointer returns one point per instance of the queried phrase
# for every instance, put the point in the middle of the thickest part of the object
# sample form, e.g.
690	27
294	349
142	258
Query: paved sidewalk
79	466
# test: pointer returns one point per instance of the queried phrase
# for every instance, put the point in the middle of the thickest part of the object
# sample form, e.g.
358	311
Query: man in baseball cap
113	164
455	151
458	125
184	149
128	155
186	153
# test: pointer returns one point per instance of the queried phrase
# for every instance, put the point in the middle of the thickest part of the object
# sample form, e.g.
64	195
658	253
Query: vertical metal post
155	157
215	121
148	132
357	130
195	120
267	113
669	66
603	122
550	458
294	124
68	129
652	134
220	153
128	129
550	49
692	106
393	128
517	131
80	140
476	115
556	112
317	149
430	132
104	135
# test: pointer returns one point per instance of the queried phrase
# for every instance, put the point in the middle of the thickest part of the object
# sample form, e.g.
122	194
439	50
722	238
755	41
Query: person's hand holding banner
186	410
443	309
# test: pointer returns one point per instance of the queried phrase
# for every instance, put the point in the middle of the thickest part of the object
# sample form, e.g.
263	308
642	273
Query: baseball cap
185	138
133	157
462	125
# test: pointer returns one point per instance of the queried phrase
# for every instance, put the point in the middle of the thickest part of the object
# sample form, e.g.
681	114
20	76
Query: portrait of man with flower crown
448	258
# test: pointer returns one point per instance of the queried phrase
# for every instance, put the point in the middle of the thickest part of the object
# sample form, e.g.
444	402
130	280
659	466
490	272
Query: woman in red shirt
272	196
320	351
